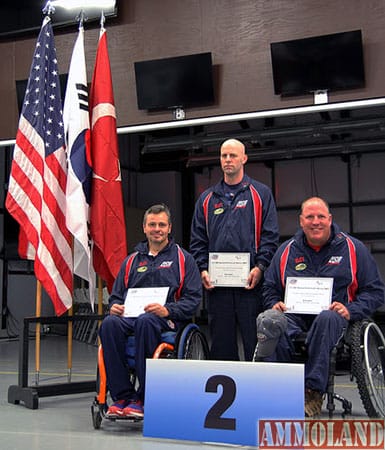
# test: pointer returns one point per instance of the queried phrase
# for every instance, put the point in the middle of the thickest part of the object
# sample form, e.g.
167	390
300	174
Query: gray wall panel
368	174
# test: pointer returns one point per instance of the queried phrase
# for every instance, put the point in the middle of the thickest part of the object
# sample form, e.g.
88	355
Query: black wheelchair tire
195	345
96	416
360	369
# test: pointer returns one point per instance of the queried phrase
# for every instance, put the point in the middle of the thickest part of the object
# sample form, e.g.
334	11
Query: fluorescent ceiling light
84	4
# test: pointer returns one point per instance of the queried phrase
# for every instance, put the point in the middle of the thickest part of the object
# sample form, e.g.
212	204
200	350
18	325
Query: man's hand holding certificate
138	298
307	295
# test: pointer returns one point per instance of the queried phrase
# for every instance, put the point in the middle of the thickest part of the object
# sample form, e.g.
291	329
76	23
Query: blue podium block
219	401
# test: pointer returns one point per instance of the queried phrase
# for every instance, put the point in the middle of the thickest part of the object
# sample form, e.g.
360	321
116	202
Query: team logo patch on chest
335	260
165	264
143	266
241	204
301	266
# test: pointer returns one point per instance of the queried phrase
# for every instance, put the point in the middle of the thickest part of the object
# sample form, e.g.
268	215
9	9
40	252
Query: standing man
157	262
319	249
237	215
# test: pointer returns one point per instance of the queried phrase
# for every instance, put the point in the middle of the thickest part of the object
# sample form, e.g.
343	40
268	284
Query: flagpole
100	281
100	297
69	344
100	301
48	10
71	310
37	331
70	334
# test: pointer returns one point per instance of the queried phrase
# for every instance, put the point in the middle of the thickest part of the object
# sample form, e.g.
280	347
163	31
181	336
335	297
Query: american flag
37	184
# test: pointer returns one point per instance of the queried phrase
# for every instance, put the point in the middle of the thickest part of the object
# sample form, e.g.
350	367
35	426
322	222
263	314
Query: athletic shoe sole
132	412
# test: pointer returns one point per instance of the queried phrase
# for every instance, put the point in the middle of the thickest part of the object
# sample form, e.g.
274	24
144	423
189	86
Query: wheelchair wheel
97	415
192	344
368	366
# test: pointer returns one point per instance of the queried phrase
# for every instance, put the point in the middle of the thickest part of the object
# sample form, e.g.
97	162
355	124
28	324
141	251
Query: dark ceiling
340	129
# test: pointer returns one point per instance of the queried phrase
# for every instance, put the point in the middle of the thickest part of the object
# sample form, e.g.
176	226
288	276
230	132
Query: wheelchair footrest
114	418
99	413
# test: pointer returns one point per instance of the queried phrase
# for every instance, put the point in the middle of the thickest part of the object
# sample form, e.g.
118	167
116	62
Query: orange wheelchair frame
187	343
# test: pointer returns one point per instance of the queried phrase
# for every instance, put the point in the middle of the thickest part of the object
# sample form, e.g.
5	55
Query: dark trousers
114	331
230	309
323	333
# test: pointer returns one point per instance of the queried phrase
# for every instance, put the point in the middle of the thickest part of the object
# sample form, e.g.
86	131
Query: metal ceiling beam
155	145
299	110
280	153
265	114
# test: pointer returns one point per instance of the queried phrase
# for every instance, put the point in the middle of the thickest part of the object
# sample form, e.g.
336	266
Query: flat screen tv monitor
177	82
21	87
322	63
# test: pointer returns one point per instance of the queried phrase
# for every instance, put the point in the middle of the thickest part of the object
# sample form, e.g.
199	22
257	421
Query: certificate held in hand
138	298
308	295
229	269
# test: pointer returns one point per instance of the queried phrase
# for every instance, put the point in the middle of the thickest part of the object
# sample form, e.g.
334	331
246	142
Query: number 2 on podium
214	417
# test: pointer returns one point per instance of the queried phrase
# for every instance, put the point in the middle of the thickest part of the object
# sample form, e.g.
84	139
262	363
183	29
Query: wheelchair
187	343
359	352
367	345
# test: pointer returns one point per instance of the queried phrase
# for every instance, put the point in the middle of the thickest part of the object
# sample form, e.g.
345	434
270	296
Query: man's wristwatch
261	266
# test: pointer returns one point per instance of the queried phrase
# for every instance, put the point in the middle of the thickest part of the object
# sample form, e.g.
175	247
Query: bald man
321	249
237	215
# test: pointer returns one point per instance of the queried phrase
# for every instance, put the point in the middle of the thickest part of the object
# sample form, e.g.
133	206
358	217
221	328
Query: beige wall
237	32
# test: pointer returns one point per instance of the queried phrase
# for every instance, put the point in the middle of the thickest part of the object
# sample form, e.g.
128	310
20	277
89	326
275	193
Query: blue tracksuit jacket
161	271
247	223
357	284
173	267
242	220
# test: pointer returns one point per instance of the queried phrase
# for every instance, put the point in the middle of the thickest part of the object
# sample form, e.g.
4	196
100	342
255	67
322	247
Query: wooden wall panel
8	110
238	33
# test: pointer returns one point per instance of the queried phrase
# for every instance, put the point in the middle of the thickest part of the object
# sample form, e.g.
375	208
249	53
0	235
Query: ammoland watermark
321	434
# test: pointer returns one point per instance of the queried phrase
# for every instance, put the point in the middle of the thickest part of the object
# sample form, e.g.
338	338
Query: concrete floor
64	422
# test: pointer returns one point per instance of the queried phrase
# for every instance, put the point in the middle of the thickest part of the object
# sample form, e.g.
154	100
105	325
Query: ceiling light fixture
84	4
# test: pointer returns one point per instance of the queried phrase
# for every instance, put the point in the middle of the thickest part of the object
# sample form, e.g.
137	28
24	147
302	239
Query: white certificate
138	298
229	269
308	295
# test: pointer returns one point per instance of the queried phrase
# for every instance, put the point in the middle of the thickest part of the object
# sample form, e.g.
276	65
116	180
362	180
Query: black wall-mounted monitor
177	82
21	87
322	63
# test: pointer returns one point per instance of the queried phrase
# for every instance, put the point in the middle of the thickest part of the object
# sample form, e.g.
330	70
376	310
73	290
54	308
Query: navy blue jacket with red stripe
357	283
246	224
172	267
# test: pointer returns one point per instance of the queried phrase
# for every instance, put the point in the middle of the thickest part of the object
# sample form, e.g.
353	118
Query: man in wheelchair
157	262
318	249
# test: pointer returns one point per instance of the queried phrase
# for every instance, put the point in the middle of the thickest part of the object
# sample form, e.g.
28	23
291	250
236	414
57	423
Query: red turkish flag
108	229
